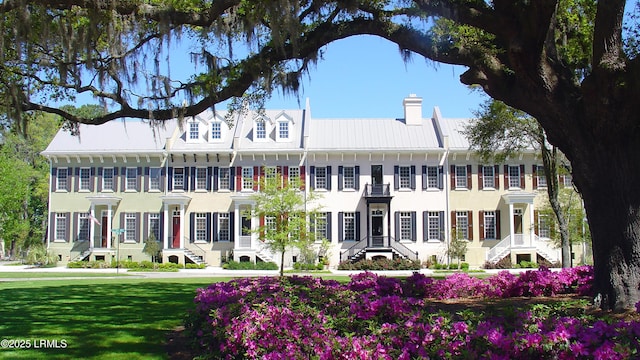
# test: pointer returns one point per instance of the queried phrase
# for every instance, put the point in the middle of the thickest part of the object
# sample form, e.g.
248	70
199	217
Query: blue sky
365	76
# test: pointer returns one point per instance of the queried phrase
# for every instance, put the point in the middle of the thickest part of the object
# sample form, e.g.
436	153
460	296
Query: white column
181	226
511	224
92	226
532	225
237	226
165	226
109	226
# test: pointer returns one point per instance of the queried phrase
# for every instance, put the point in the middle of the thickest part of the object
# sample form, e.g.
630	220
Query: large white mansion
389	187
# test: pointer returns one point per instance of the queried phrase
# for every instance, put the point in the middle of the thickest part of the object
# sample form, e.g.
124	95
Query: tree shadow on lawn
97	321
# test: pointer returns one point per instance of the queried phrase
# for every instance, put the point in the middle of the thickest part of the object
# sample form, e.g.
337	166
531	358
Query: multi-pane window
567	181
320	226
107	179
461	177
514	176
541	178
132	179
462	225
194	131
321	178
154	178
83	226
433	221
405	225
85	179
201	227
349	178
488	177
432	177
61	227
283	130
490	225
261	130
544	226
404	175
247	178
270	174
270	223
201	178
216	130
130	227
223	227
63	175
154	225
294	175
349	226
178	178
223	178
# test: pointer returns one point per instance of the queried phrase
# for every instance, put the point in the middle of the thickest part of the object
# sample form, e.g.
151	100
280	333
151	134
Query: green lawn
98	318
33	275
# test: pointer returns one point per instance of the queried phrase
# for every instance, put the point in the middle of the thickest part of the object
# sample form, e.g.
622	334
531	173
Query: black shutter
424	178
357	177
397	225
357	229
340	226
413	227
328	177
192	227
312	177
214	178
425	226
214	228
396	177
232	226
170	184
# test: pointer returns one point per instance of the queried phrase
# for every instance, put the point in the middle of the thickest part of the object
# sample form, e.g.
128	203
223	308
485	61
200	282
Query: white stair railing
499	249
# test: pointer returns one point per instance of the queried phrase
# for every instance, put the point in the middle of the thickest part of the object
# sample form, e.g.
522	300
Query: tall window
194	131
223	178
270	174
270	223
461	177
247	178
542	179
62	176
154	226
201	227
154	178
321	178
319	223
567	181
216	130
107	179
349	226
349	178
490	225
283	130
61	226
261	130
178	178
223	227
201	178
433	221
132	179
405	226
85	179
83	226
544	226
462	225
514	177
404	174
488	177
130	227
294	175
432	177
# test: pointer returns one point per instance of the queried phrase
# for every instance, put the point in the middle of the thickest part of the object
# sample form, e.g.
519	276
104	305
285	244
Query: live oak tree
500	131
571	64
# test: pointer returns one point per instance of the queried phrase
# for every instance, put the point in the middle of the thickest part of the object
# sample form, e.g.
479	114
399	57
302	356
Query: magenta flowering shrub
376	317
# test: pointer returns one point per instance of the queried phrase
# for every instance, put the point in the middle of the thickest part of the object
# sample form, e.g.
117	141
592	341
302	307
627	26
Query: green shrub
195	266
127	264
266	266
381	264
261	265
146	264
169	266
77	264
453	266
464	266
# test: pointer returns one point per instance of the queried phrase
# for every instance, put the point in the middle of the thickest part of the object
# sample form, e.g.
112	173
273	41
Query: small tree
283	206
457	246
152	247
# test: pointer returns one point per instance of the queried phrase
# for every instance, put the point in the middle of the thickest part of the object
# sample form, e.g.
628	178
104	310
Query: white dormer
194	130
284	127
218	129
262	127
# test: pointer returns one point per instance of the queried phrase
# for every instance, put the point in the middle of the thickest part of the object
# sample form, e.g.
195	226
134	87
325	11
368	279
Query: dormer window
283	129
216	130
194	131
261	130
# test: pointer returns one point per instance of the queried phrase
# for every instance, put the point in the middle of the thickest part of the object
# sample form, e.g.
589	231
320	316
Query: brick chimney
412	110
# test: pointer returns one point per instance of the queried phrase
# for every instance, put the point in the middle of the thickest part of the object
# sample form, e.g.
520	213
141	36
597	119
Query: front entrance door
517	221
377	228
176	232
105	231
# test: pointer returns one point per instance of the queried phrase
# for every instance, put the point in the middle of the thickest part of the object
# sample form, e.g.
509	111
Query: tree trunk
608	184
282	263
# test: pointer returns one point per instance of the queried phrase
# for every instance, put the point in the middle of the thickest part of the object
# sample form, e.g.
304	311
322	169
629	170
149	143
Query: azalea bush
377	317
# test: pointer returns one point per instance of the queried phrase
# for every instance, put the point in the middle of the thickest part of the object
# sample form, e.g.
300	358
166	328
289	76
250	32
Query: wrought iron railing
377	190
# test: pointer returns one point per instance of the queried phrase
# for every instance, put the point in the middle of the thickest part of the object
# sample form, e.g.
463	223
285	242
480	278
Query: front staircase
519	241
83	255
196	259
377	244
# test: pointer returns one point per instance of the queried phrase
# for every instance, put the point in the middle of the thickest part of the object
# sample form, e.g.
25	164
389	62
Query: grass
98	318
34	275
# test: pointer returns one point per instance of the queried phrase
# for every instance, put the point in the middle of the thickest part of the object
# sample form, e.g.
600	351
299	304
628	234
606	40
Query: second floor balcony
377	191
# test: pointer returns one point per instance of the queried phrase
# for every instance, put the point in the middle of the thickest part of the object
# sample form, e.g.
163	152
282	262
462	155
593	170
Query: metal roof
123	136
